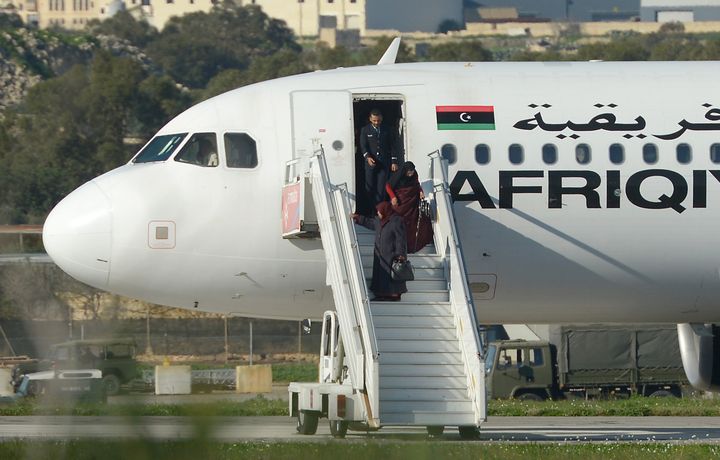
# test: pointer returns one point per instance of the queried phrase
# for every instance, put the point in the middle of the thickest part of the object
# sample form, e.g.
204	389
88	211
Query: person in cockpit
206	155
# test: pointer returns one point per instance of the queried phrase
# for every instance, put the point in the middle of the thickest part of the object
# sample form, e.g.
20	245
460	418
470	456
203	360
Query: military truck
115	358
587	361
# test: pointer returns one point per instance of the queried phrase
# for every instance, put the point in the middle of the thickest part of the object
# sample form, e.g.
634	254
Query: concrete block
172	380
253	379
6	388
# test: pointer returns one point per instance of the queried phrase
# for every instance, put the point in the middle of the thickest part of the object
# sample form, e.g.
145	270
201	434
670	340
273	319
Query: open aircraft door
325	118
320	120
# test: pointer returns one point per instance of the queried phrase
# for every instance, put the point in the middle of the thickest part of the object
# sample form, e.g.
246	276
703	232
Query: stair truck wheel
307	422
469	432
338	428
435	430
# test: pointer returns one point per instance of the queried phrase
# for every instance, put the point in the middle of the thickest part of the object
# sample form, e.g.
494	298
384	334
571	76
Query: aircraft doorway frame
393	108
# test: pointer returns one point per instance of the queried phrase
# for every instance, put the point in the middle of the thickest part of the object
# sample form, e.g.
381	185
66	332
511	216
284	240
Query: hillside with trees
76	104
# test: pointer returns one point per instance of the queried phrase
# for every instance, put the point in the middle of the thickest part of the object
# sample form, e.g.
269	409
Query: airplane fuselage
592	196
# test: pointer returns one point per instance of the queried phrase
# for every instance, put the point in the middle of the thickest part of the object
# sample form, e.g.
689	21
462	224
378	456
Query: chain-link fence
212	337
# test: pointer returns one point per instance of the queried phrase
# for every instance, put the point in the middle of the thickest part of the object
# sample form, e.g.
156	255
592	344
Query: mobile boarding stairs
414	362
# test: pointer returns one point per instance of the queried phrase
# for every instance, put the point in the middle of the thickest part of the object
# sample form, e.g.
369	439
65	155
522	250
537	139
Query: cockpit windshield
160	148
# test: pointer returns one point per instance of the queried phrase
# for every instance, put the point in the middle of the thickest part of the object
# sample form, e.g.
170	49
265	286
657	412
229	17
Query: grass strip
260	406
347	450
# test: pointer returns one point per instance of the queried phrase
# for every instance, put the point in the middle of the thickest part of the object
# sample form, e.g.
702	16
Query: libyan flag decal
451	117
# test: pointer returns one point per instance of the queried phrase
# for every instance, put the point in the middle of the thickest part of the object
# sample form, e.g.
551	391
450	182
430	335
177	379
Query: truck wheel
469	432
112	384
338	428
662	394
435	430
529	397
307	422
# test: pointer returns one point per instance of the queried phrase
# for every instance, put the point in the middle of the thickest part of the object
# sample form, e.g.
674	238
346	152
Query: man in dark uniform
378	145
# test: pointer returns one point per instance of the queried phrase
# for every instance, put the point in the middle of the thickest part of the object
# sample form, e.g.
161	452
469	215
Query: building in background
680	10
308	17
568	10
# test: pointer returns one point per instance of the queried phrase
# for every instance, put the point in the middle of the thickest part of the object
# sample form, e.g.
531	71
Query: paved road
517	429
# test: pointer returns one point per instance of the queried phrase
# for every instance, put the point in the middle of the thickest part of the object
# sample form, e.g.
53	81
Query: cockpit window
241	151
160	148
200	150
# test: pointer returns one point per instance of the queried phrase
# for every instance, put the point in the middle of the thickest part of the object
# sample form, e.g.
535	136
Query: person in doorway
390	245
380	158
405	194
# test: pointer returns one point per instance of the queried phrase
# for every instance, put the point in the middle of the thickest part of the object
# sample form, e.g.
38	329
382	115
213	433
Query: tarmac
676	430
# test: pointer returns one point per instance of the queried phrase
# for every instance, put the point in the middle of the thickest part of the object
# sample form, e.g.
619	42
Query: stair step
428	418
422	370
390	407
418	346
410	309
440	295
431	383
415	394
368	248
435	358
421	273
420	333
422	285
411	322
417	260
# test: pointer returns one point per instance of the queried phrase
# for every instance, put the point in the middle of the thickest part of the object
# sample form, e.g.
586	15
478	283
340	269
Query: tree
195	47
10	21
464	51
625	49
448	25
674	27
72	128
123	25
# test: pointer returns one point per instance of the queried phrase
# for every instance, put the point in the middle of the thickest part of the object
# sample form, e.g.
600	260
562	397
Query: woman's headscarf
386	210
400	179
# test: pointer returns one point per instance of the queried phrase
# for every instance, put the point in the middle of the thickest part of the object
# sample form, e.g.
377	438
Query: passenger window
715	153
650	154
549	154
617	154
509	357
535	357
516	154
582	154
61	354
119	351
684	153
160	148
449	152
200	150
482	154
241	151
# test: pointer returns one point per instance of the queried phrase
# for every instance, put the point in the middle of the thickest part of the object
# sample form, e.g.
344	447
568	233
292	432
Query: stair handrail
447	242
349	286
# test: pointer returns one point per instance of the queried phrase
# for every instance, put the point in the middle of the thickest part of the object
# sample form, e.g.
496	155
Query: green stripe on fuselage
466	126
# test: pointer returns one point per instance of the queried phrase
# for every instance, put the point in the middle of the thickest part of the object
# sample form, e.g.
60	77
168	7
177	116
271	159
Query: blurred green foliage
416	448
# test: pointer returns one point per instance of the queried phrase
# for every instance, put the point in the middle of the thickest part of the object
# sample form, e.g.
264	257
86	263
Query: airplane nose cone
78	235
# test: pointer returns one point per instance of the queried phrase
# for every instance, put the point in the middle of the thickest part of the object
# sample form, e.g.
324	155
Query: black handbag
425	210
402	270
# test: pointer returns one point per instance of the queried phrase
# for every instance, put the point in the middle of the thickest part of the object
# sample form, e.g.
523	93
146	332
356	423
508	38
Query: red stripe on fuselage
464	108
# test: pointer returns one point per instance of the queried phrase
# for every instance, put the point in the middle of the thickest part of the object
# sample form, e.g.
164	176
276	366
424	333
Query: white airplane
584	192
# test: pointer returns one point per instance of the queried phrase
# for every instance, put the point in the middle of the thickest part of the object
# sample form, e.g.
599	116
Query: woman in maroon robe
390	245
405	195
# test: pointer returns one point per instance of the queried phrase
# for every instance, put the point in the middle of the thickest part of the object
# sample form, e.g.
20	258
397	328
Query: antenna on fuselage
391	53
